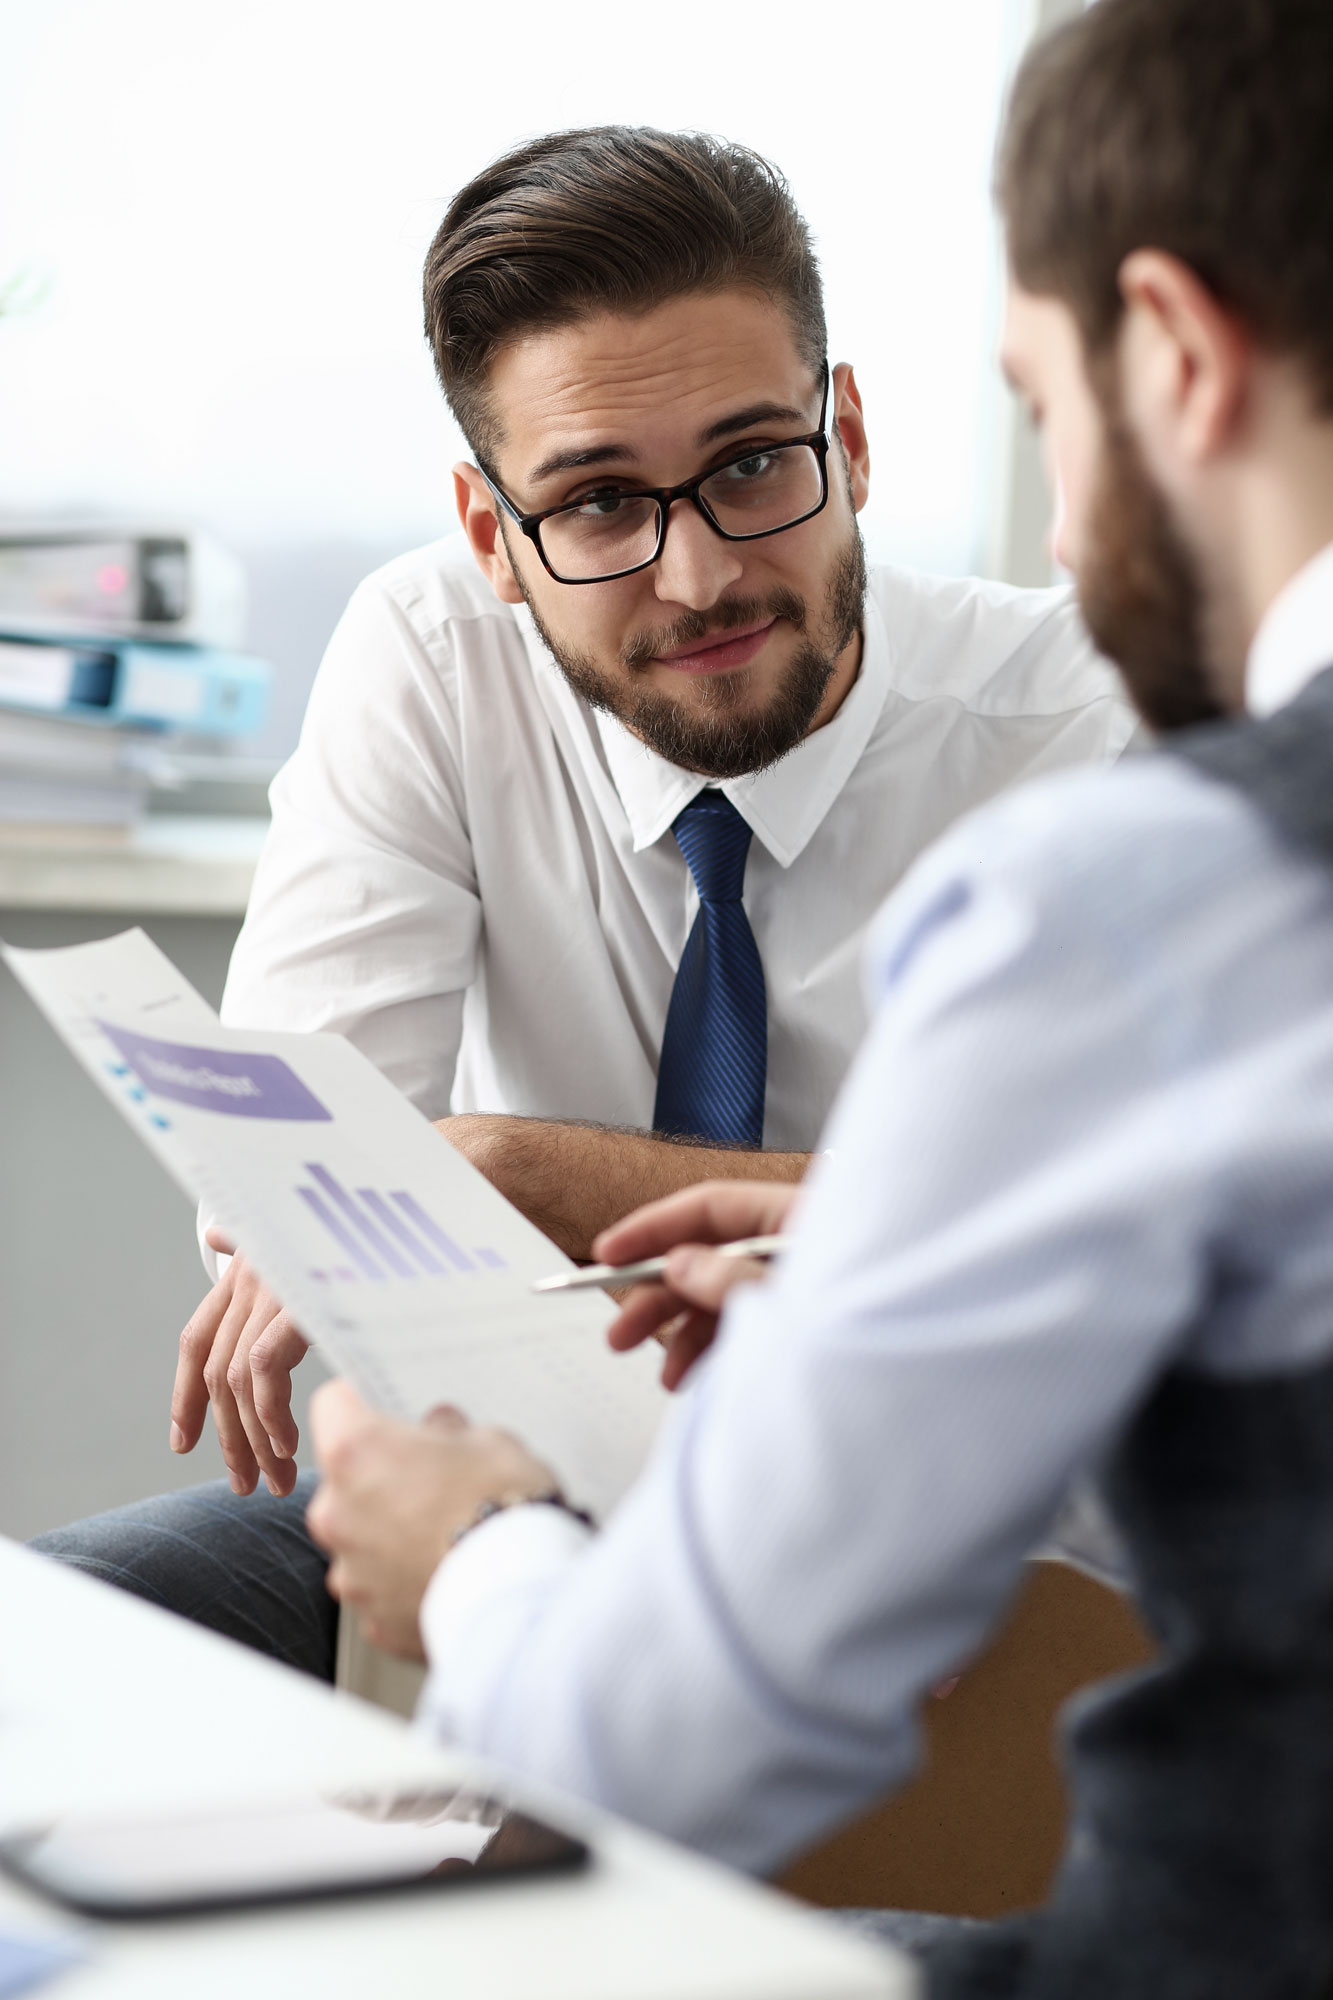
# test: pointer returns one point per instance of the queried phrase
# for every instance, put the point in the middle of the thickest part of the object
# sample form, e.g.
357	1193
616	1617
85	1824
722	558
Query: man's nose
696	565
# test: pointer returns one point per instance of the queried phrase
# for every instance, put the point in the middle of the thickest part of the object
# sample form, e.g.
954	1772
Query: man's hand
394	1496
574	1180
238	1353
682	1310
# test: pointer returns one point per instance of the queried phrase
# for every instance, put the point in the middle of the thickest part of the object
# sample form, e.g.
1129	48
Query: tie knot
715	841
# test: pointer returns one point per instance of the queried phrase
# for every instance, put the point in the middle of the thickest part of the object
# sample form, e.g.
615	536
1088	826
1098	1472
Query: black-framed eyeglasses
611	532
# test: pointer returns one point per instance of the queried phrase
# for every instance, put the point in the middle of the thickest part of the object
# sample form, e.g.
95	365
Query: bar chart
383	1236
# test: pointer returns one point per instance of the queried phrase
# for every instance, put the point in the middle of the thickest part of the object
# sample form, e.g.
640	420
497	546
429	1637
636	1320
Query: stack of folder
116	661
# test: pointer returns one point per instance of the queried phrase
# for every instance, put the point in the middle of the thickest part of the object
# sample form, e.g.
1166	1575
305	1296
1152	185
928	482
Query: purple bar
383	1214
417	1215
340	1233
379	1244
492	1260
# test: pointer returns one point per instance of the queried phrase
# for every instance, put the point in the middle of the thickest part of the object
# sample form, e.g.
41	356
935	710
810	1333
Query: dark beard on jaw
722	738
1140	587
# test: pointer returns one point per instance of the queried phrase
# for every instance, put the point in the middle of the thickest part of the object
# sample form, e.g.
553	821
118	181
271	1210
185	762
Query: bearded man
591	810
1077	1216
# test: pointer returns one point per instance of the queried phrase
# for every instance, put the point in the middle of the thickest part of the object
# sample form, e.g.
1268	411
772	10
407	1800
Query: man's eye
744	471
607	500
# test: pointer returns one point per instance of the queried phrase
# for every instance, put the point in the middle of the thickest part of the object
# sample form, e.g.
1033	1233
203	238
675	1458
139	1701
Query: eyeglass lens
612	531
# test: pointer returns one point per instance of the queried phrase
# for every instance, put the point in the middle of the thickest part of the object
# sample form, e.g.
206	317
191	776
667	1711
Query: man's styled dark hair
1203	128
614	218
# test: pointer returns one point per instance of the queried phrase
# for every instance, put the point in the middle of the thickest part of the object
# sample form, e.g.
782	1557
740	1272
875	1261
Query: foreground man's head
619	310
1166	169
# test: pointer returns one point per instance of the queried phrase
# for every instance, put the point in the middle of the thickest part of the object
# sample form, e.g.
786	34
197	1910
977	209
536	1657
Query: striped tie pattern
714	1063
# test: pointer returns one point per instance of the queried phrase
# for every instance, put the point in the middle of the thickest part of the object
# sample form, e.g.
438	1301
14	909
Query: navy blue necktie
710	1080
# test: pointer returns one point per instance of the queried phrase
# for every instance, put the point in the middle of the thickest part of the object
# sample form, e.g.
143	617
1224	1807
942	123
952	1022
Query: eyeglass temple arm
522	520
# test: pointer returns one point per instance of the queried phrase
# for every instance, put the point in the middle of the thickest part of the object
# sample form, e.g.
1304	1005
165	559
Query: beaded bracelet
487	1508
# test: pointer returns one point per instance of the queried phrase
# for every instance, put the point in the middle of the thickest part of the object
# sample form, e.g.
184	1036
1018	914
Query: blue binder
198	690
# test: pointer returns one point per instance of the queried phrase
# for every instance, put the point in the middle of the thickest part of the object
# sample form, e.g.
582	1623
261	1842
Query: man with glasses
611	532
1076	1221
589	815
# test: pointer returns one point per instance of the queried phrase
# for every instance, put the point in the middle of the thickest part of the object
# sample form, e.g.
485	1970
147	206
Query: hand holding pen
592	1276
694	1231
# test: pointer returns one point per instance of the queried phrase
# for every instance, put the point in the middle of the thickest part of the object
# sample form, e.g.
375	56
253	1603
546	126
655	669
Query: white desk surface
174	864
106	1703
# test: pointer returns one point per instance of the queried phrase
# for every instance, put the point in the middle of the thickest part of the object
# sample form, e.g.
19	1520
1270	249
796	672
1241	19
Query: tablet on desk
285	1850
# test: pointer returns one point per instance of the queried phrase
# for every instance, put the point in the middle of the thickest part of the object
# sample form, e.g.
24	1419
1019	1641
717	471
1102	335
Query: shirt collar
1295	640
782	806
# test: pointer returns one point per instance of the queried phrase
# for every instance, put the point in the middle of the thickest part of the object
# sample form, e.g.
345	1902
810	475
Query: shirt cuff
518	1548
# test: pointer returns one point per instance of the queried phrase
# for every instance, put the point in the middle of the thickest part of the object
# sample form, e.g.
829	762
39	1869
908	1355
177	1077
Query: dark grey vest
1200	1857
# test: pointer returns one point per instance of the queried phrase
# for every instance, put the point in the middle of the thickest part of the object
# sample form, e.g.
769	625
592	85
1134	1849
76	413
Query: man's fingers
693	1337
279	1473
335	1577
216	1239
189	1395
646	1310
703	1278
710	1212
445	1417
322	1518
695	1276
242	1467
239	1458
336	1414
279	1349
189	1403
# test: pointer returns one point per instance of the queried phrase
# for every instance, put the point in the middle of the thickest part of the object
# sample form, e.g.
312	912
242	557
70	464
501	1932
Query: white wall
231	200
1017	540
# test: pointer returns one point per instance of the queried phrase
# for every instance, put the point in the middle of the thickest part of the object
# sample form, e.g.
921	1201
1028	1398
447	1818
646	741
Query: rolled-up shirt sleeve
986	1271
365	916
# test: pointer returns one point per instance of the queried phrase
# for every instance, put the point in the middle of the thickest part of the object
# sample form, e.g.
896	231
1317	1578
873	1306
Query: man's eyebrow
746	420
625	454
577	461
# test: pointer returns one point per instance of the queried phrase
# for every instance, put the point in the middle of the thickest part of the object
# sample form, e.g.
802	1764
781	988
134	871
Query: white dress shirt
1097	1094
471	873
1295	639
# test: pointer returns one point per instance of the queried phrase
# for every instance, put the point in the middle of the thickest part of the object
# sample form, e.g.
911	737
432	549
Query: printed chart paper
393	1253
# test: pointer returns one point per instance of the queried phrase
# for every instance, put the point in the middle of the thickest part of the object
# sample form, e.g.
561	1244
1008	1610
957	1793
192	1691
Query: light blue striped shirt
1090	1133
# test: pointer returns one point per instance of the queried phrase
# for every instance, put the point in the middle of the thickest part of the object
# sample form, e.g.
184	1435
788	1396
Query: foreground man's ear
481	525
1185	360
846	409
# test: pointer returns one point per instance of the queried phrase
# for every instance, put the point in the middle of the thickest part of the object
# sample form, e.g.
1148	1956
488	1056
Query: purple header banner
238	1086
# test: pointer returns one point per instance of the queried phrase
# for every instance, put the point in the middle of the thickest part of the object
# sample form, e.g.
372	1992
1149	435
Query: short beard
1140	585
721	740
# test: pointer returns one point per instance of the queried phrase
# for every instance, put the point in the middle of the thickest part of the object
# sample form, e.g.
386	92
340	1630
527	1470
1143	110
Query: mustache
692	628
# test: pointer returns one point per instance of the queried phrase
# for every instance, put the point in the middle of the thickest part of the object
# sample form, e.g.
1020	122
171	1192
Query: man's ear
846	412
1185	357
481	525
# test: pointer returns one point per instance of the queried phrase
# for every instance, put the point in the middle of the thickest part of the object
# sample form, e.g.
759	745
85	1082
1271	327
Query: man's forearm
574	1180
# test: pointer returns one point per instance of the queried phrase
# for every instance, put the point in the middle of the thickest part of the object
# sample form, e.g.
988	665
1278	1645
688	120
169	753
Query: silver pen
653	1267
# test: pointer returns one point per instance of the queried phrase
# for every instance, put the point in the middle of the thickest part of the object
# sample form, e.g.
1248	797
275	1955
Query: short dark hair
1199	127
613	218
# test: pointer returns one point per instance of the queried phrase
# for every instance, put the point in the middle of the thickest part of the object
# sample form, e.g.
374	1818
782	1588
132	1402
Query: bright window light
231	200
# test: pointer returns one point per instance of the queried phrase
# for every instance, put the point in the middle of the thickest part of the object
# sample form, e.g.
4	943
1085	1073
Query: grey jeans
245	1567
